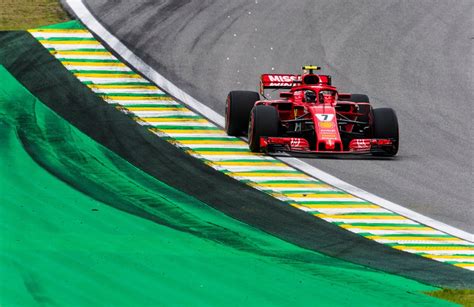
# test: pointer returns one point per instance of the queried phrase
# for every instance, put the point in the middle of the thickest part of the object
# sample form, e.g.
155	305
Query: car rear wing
287	81
283	81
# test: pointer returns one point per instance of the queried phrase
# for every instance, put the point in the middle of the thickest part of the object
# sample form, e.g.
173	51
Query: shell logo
326	125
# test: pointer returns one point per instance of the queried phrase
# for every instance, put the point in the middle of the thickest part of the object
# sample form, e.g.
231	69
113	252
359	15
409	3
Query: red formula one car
310	116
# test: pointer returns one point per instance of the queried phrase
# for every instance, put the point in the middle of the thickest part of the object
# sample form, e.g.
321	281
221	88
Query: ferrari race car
310	116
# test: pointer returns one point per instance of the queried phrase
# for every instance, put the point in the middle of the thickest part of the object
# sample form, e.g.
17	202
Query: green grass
27	14
462	297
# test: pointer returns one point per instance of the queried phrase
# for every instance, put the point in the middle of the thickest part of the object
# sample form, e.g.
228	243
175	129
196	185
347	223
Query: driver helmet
309	96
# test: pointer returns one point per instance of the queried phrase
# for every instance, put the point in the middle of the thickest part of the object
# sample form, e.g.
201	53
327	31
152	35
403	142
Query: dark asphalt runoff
412	56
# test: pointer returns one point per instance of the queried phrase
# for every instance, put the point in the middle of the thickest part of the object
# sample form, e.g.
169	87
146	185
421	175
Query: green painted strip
79	60
55	39
92	49
412	235
98	49
118	83
152	105
216	149
309	181
130	106
269	171
144	95
289	192
345	202
171	117
457	255
187	128
394	224
369	214
408	245
200	138
248	160
82	60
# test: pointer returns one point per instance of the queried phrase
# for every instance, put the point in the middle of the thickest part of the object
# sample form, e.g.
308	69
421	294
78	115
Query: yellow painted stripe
136	97
93	64
414	237
219	153
195	131
156	109
316	195
323	206
74	52
361	216
101	75
167	119
233	163
59	30
370	227
454	257
464	265
230	141
69	42
123	86
250	174
421	248
294	185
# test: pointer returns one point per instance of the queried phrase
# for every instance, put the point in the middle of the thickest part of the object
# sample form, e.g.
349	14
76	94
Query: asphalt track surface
413	56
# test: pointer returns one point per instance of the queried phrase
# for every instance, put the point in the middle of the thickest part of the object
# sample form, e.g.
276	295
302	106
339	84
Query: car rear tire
237	111
385	126
264	121
359	98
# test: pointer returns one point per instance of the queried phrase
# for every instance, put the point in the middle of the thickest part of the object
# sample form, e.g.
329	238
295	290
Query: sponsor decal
278	80
325	117
326	125
295	142
328	136
282	78
273	84
360	145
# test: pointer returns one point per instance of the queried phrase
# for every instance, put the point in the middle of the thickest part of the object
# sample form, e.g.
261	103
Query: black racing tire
237	111
264	121
359	98
385	126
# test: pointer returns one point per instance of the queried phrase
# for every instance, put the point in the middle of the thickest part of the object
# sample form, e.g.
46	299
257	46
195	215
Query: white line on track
97	68
83	13
85	57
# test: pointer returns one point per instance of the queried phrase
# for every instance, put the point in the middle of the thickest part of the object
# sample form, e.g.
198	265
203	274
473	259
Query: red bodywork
332	123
